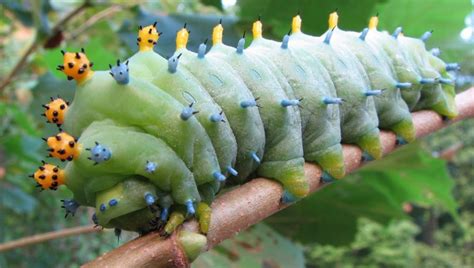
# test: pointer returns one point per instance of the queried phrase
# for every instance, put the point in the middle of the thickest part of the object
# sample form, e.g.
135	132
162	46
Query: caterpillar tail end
370	143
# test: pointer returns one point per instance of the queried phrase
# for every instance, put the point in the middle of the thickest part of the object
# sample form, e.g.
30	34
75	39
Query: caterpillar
152	141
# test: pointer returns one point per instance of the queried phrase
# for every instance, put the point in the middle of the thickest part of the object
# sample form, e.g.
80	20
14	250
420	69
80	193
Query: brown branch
254	201
39	238
34	45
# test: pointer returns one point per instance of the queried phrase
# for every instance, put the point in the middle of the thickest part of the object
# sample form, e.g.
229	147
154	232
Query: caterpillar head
63	146
99	153
182	37
147	37
217	33
55	111
76	66
48	177
120	72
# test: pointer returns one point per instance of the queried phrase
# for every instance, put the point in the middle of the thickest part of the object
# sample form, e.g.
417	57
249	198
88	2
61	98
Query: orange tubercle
296	24
182	38
49	176
147	37
63	146
257	29
55	111
333	20
76	66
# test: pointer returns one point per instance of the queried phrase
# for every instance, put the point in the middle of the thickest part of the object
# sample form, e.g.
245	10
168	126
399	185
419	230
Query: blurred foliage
439	234
259	246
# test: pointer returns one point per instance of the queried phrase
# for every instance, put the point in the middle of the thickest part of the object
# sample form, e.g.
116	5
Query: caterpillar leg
204	217
175	220
370	143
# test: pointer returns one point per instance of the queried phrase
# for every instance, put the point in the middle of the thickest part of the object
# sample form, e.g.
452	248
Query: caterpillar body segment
229	91
319	121
280	116
392	111
186	89
359	121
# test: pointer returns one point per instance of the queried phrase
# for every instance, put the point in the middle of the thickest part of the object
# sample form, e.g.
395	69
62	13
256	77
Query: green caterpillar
153	140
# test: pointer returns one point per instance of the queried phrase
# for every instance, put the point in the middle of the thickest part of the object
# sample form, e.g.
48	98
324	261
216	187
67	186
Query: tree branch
257	199
39	238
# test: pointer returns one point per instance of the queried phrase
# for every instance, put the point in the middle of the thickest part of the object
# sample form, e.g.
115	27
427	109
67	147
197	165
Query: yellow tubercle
333	19
63	146
296	24
49	176
76	66
217	34
147	37
257	29
182	37
373	22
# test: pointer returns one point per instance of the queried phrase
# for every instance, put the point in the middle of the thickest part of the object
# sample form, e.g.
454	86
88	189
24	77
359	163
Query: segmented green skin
185	88
283	143
402	66
228	90
392	111
359	121
140	121
152	110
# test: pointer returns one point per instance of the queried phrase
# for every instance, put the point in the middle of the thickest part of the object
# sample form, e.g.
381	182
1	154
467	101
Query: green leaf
377	192
260	246
215	3
17	200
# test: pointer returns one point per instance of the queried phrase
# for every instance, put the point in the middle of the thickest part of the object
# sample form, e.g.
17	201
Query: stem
39	238
257	199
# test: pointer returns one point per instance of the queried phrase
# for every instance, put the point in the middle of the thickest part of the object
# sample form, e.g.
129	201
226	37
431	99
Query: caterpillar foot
204	217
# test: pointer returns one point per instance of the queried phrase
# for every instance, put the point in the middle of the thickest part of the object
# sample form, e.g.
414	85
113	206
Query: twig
39	238
254	201
34	45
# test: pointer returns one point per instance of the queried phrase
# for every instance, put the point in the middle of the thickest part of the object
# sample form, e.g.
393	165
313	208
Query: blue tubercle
330	100
202	50
218	176
188	112
400	141
113	202
363	34
426	36
255	157
190	207
99	153
149	199
445	81
284	42
286	103
373	92
435	52
232	171
150	167
164	214
120	72
327	38
71	206
403	85
248	103
428	81
217	118
366	157
102	207
397	32
452	66
240	46
173	63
